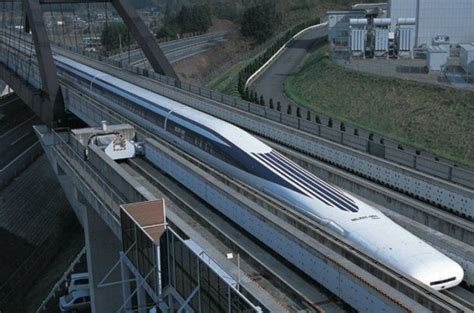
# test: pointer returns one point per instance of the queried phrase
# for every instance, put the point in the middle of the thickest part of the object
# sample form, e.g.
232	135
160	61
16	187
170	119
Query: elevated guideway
402	293
92	114
282	134
296	134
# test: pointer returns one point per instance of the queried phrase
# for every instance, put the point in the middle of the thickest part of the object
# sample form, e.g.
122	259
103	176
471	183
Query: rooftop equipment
437	58
358	37
380	37
442	41
405	37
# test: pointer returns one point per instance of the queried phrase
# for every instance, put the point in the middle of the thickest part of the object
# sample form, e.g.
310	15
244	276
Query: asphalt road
176	50
270	83
16	133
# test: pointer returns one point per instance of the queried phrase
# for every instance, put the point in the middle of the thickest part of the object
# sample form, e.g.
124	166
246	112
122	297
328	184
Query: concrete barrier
400	157
433	167
331	134
311	127
355	142
290	120
259	110
463	177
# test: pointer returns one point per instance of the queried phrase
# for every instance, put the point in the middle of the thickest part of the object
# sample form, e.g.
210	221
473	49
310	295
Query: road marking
19	139
18	126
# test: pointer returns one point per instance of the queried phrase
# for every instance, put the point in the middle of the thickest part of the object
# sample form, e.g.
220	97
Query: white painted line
16	127
7	103
23	153
19	139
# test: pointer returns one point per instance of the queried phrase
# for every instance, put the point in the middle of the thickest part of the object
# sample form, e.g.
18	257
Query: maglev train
238	154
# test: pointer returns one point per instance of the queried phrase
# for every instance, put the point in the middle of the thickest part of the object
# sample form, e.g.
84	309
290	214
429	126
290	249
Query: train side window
208	148
198	142
180	132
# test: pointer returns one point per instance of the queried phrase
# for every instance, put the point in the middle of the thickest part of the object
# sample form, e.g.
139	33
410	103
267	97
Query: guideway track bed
316	232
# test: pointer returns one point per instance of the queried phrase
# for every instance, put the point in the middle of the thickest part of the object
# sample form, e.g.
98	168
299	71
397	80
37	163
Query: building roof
437	49
467	46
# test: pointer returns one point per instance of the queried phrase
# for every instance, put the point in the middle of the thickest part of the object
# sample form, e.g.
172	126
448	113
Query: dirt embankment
199	69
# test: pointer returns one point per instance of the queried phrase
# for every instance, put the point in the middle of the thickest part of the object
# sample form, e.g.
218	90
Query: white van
77	281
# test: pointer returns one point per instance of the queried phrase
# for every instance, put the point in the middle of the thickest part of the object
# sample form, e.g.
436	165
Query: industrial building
453	18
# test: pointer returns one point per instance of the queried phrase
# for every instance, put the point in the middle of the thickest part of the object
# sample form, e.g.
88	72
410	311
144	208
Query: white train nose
439	273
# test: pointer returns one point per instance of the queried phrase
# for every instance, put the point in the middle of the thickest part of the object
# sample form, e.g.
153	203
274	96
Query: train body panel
238	154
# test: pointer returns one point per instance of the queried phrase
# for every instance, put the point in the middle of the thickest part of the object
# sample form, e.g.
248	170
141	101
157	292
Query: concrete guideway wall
99	115
338	276
345	153
392	151
399	154
402	179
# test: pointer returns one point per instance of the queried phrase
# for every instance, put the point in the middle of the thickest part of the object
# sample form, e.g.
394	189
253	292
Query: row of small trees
252	96
258	62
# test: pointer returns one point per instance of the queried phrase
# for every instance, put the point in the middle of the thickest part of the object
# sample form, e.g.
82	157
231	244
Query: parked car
77	281
78	300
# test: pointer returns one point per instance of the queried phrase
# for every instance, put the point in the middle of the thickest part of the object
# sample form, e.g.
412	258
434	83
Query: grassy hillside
227	82
291	13
438	119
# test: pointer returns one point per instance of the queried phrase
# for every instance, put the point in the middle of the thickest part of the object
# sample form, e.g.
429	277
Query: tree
190	19
114	35
259	21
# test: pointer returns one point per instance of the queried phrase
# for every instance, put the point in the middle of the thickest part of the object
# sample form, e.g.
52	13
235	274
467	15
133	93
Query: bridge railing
73	151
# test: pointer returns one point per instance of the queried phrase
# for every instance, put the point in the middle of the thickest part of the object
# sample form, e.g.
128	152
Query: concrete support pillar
103	253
